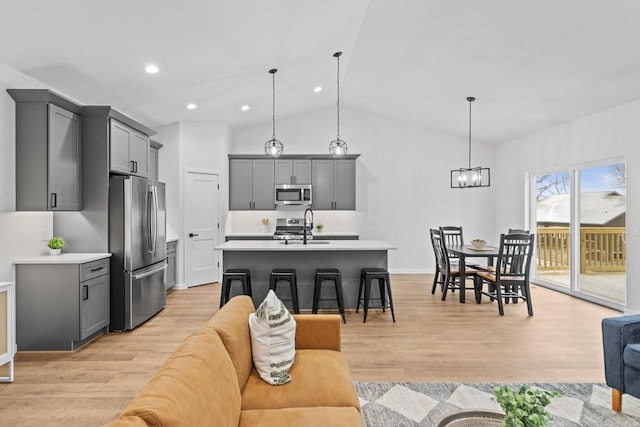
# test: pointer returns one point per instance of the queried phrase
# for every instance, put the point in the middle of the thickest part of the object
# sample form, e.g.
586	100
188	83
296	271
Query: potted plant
319	227
55	245
525	407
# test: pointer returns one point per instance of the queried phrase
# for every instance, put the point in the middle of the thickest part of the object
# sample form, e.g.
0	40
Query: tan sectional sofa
210	379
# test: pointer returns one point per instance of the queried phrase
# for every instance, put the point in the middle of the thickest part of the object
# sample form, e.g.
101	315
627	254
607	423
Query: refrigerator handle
155	217
150	206
149	273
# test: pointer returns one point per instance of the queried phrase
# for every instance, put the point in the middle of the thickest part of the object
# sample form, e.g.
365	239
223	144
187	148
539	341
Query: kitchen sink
310	242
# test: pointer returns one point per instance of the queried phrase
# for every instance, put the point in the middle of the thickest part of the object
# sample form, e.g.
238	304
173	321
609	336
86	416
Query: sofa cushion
273	340
231	322
308	417
196	386
631	355
319	378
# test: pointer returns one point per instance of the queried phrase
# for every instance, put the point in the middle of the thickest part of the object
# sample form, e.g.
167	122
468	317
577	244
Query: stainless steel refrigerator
137	241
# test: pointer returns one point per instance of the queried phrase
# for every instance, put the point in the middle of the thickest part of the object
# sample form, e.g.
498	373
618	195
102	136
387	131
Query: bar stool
234	274
382	276
287	275
328	274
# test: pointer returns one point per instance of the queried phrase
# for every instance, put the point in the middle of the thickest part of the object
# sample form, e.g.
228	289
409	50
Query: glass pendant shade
338	148
273	148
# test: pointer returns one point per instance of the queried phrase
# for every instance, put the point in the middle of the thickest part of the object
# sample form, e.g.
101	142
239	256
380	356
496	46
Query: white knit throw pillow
273	333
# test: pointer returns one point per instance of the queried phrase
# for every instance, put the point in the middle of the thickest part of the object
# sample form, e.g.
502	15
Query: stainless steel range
291	229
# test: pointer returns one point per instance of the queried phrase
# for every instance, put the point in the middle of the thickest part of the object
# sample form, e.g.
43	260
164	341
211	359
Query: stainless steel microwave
293	194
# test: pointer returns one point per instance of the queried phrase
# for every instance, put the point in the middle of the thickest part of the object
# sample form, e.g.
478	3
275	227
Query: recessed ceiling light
152	69
245	108
191	106
317	89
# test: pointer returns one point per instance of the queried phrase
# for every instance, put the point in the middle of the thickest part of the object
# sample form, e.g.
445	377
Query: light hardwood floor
432	340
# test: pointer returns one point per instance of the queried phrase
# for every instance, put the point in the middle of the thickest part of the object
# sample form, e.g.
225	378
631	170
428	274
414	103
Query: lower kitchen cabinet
171	271
61	306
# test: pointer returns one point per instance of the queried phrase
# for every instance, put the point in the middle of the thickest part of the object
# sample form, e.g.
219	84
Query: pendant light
338	147
470	177
273	147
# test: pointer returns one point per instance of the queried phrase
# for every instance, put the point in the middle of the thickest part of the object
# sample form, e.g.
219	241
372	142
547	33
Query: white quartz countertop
63	258
315	245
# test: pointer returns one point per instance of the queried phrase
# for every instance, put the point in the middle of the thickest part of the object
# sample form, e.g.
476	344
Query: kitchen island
262	256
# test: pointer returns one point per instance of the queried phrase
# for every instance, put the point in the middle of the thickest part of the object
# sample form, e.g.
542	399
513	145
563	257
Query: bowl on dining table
478	243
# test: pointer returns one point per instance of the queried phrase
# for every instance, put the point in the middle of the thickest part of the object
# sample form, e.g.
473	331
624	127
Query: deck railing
601	248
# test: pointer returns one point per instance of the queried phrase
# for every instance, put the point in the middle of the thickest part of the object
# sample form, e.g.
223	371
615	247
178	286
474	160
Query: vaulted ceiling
530	64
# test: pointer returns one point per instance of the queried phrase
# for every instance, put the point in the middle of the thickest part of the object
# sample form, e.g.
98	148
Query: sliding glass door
579	216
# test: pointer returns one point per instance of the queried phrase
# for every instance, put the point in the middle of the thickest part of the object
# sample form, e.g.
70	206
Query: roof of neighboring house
599	207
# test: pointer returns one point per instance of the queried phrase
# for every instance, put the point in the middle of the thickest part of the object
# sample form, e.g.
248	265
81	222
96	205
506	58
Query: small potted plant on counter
319	227
55	245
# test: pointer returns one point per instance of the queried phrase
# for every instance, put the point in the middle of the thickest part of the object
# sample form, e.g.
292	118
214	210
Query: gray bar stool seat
231	275
367	275
328	274
287	275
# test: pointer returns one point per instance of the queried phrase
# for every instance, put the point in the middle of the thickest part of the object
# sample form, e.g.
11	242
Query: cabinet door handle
85	292
193	234
93	270
133	166
54	200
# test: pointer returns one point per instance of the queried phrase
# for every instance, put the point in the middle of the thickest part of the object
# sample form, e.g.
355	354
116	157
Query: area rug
387	404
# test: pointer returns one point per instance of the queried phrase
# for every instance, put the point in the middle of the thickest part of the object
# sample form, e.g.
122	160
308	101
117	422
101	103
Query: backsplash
333	221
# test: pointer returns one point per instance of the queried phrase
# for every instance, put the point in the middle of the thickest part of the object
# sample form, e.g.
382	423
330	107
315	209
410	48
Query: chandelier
470	177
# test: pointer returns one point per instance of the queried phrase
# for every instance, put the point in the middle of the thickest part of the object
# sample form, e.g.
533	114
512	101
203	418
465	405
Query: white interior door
201	227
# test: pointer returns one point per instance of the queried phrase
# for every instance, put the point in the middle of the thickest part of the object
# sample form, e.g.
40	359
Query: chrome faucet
304	227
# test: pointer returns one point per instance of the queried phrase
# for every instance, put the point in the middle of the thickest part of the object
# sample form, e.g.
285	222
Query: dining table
469	251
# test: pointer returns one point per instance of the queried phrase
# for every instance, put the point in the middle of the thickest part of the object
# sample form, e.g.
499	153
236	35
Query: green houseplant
55	245
525	407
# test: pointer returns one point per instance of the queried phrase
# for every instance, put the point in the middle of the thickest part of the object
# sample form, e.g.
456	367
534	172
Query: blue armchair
621	341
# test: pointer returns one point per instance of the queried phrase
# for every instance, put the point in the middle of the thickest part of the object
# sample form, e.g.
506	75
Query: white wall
21	233
190	145
401	191
606	135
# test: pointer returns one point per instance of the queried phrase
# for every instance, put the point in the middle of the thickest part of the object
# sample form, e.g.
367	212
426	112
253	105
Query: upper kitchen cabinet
251	184
334	184
293	171
126	141
154	152
48	151
128	150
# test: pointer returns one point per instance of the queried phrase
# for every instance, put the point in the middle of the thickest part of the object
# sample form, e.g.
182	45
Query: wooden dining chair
517	231
447	275
511	276
452	235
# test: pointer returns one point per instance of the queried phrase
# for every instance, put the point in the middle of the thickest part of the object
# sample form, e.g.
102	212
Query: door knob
193	234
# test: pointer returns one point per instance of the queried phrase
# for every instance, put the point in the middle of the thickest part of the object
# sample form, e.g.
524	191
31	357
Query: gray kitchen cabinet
129	150
61	306
334	182
171	271
251	184
293	171
154	152
48	151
